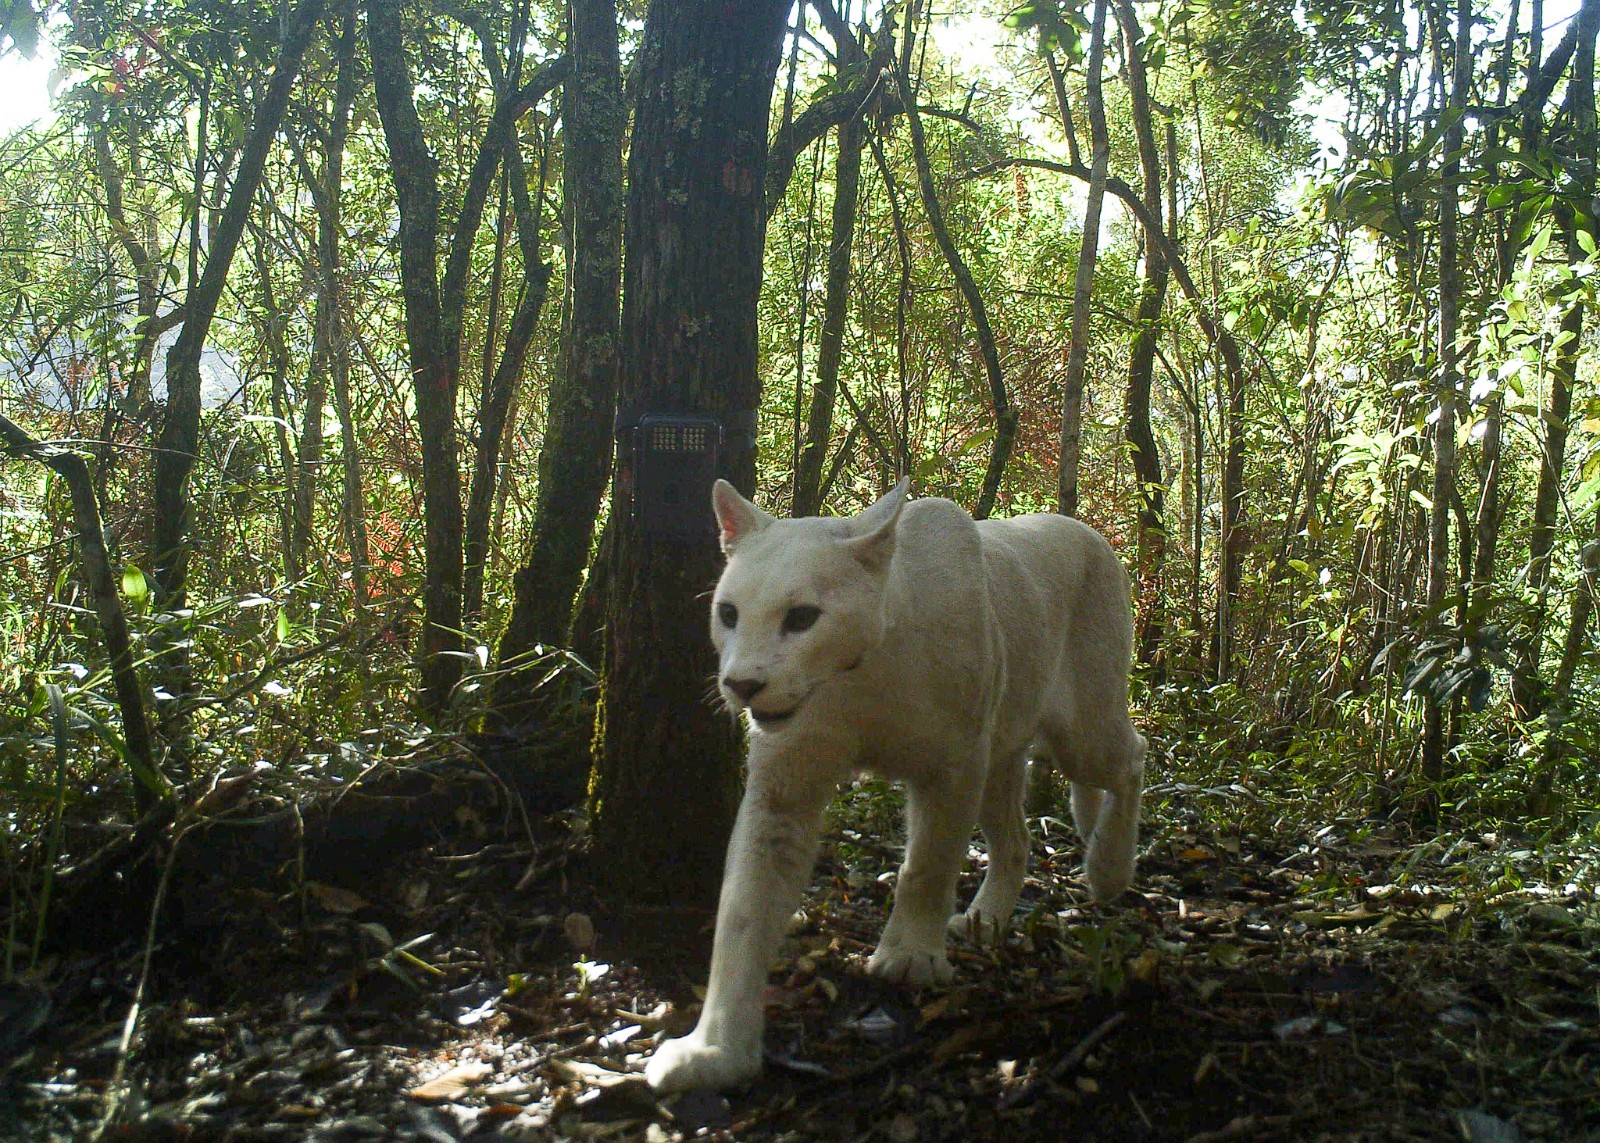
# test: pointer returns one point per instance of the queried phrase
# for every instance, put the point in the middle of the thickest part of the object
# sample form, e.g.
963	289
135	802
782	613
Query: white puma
915	643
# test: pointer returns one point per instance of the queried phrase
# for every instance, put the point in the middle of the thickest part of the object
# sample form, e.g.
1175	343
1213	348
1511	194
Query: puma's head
800	602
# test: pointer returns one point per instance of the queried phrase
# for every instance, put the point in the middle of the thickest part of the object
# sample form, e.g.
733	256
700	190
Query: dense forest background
1327	385
323	321
320	319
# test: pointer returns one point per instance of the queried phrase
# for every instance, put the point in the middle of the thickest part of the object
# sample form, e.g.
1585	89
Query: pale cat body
919	645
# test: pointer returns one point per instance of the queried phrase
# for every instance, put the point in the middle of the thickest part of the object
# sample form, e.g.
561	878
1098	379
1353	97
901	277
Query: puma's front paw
691	1063
909	964
1109	868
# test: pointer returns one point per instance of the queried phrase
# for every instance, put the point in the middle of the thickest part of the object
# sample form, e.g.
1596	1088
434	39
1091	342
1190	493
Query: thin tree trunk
435	308
327	197
499	386
1005	417
1216	333
331	351
1557	747
355	500
272	319
1083	284
492	419
180	433
1058	87
835	311
1444	429
433	367
1145	456
145	777
147	272
695	234
1585	137
900	460
1527	689
575	461
1486	524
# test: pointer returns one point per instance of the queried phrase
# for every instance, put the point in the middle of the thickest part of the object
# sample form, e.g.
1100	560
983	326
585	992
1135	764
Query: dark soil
1253	988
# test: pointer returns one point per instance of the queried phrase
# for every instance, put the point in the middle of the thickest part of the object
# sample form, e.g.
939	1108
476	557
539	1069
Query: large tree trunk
666	778
1071	445
576	459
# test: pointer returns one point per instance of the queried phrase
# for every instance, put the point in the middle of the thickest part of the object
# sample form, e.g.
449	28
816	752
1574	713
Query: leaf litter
1289	988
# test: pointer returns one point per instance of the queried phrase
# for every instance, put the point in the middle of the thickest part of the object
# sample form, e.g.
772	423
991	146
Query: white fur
943	651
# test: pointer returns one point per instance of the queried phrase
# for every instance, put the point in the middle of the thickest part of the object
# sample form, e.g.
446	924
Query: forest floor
1336	985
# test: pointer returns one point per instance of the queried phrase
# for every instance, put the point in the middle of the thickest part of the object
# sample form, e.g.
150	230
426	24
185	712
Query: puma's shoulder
1061	550
938	571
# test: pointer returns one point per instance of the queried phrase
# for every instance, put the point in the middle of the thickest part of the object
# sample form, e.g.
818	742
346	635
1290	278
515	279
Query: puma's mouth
778	719
773	721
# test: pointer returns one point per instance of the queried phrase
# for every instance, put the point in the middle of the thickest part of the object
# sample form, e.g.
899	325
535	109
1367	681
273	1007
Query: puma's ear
737	518
873	548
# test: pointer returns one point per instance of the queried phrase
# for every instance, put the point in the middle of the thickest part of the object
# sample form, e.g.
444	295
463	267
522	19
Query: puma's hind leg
1107	784
1005	830
1108	862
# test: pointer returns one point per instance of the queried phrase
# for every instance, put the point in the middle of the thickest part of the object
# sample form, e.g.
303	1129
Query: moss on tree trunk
666	777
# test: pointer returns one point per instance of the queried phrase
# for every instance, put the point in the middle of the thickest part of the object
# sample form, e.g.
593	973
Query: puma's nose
746	689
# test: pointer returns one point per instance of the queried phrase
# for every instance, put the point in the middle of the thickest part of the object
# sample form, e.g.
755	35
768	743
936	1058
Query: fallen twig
1064	1065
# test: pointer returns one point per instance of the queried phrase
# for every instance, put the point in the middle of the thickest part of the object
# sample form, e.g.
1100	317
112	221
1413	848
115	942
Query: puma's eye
798	619
729	614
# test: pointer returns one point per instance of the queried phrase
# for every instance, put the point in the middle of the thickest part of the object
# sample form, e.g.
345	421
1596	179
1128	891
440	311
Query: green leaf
1499	196
1540	241
134	585
1586	240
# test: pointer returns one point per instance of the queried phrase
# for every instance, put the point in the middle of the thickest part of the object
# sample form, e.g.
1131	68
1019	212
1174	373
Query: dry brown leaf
453	1084
1145	966
949	1004
957	1043
335	899
228	792
579	930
